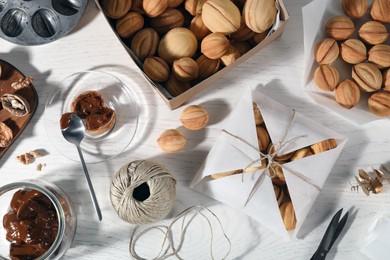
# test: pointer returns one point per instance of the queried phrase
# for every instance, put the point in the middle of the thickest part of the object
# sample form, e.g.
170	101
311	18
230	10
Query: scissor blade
339	229
326	242
327	239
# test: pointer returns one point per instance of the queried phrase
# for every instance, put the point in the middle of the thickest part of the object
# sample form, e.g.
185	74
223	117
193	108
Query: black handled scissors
330	236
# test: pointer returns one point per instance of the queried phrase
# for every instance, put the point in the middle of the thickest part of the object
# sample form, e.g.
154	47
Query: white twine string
270	157
167	232
162	188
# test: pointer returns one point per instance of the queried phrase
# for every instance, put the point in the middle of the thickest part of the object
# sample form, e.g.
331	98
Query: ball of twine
142	192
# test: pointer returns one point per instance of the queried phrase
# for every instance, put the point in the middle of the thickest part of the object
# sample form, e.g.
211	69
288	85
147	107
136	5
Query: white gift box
315	15
237	148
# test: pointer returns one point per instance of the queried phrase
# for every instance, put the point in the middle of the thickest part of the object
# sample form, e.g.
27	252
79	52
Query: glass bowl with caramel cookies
38	221
107	107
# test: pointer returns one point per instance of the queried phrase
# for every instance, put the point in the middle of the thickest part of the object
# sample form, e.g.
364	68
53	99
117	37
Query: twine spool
142	192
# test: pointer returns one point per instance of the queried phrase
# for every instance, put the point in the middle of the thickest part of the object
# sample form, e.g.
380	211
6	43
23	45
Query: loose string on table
167	232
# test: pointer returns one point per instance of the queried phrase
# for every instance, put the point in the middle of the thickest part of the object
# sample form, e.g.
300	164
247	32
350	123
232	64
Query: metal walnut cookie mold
38	22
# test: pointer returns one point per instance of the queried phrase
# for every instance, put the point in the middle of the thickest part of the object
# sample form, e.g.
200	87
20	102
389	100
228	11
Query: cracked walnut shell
194	117
6	135
15	104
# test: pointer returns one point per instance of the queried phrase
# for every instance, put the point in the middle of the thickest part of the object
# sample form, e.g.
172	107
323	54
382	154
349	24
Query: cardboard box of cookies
183	46
270	162
347	57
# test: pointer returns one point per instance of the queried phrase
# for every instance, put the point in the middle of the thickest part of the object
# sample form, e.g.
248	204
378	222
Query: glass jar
67	220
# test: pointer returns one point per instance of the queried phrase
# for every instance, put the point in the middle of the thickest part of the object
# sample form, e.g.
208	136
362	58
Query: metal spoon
74	134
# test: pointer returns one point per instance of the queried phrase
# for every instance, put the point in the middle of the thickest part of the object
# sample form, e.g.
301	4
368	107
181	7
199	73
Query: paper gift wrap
237	148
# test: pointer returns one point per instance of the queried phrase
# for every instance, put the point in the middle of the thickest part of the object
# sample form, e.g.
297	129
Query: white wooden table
279	67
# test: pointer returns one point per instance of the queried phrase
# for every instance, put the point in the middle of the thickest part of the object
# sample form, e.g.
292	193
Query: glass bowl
67	220
116	95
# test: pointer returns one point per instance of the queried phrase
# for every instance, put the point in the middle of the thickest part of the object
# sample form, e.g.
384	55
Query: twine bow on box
267	168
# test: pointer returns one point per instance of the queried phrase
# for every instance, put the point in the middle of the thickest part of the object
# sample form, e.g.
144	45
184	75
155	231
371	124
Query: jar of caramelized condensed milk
38	221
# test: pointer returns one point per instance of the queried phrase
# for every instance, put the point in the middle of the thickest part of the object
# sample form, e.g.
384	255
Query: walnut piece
6	135
29	157
15	104
25	158
40	166
22	83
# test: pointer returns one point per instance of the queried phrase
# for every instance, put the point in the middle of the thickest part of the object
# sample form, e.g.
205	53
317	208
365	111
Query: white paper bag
237	147
315	15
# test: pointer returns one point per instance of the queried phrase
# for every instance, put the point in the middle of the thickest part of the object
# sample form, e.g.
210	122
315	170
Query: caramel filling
31	224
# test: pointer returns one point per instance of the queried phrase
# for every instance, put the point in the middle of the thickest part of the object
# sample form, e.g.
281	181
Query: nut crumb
29	157
22	83
40	166
26	158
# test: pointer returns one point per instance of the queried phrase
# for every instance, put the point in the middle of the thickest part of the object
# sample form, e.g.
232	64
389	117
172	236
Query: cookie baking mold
34	22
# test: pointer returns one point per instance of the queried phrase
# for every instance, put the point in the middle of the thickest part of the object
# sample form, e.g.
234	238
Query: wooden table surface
278	68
